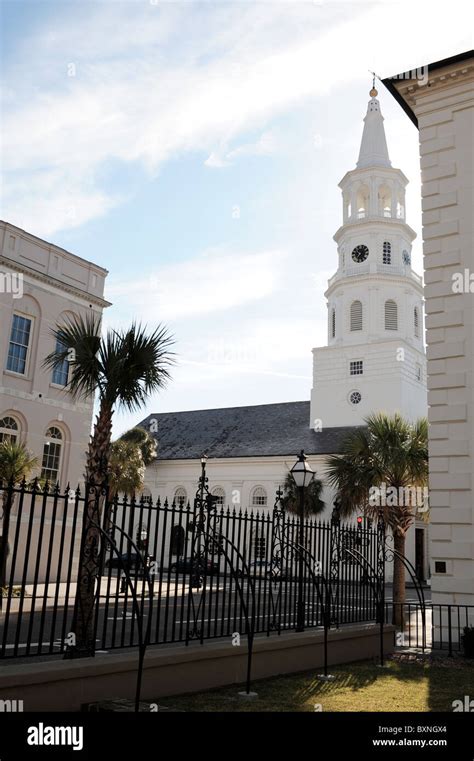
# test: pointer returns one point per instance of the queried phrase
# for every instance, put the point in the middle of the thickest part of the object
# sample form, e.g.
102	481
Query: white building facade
443	110
40	285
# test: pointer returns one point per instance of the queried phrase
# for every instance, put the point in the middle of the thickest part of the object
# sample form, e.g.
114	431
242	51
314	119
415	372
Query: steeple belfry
373	148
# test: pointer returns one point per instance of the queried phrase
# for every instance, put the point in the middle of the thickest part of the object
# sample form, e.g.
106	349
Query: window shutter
391	315
356	315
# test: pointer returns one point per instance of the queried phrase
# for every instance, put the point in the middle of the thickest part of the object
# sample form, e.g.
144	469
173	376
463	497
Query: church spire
373	148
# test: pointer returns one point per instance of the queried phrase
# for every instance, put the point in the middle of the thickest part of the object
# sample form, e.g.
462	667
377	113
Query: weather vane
374	92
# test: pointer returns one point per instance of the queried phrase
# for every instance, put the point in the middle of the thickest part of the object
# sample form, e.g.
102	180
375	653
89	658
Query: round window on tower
355	397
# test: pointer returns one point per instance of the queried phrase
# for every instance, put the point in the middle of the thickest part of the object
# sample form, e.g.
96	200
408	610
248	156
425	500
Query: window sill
13	374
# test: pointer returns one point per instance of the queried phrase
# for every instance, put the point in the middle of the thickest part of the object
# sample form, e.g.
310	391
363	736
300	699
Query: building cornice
56	283
372	278
374	221
371	171
408	91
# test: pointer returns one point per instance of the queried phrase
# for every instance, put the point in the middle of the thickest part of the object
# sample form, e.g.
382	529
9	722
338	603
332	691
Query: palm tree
144	440
126	469
313	504
16	463
123	367
390	453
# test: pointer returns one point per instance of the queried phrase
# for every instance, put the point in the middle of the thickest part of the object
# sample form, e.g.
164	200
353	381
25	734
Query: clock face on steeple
360	253
406	257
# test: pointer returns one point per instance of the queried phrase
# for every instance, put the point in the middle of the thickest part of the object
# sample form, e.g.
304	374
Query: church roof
373	147
256	431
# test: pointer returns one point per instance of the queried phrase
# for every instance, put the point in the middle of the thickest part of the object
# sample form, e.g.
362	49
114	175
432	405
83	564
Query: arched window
356	315
416	322
52	450
391	315
387	252
333	323
259	497
385	201
8	429
180	496
220	494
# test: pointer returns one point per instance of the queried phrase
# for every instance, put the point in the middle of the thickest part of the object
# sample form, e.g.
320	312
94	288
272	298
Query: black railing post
335	562
450	633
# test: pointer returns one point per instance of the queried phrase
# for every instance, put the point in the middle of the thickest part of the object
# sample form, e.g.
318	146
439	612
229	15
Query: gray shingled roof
257	431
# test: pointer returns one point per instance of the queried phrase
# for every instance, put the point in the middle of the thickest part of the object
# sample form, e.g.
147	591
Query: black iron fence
443	629
150	570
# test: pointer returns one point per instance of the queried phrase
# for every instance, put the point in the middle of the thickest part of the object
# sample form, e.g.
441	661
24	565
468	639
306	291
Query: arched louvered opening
416	322
332	328
391	315
356	315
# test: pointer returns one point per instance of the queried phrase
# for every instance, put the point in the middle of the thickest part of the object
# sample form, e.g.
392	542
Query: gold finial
373	93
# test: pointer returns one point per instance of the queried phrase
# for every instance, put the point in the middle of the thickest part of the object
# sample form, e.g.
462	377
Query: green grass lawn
401	686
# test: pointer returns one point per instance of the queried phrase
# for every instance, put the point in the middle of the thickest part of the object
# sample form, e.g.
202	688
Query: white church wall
239	476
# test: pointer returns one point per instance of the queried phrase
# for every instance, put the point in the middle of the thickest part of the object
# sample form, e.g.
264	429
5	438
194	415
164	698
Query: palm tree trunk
398	580
7	500
89	561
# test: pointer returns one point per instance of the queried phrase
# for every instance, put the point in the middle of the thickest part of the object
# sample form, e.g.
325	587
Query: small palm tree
389	453
16	463
144	440
123	367
313	504
126	469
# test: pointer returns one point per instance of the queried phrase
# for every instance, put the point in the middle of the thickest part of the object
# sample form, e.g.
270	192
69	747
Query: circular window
355	397
406	257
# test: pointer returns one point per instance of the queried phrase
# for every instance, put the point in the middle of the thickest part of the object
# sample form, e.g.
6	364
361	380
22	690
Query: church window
416	322
357	367
220	494
356	315
391	315
180	496
387	252
259	497
355	397
333	323
418	372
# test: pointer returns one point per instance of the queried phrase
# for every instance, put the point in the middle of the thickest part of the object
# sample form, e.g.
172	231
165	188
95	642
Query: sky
194	149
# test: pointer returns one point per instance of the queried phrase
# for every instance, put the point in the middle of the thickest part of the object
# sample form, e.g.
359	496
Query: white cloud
156	81
266	145
216	281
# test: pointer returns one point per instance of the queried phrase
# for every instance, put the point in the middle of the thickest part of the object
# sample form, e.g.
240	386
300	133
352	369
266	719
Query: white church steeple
375	357
373	148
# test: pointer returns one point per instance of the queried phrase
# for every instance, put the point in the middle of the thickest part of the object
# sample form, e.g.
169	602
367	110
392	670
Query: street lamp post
302	476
